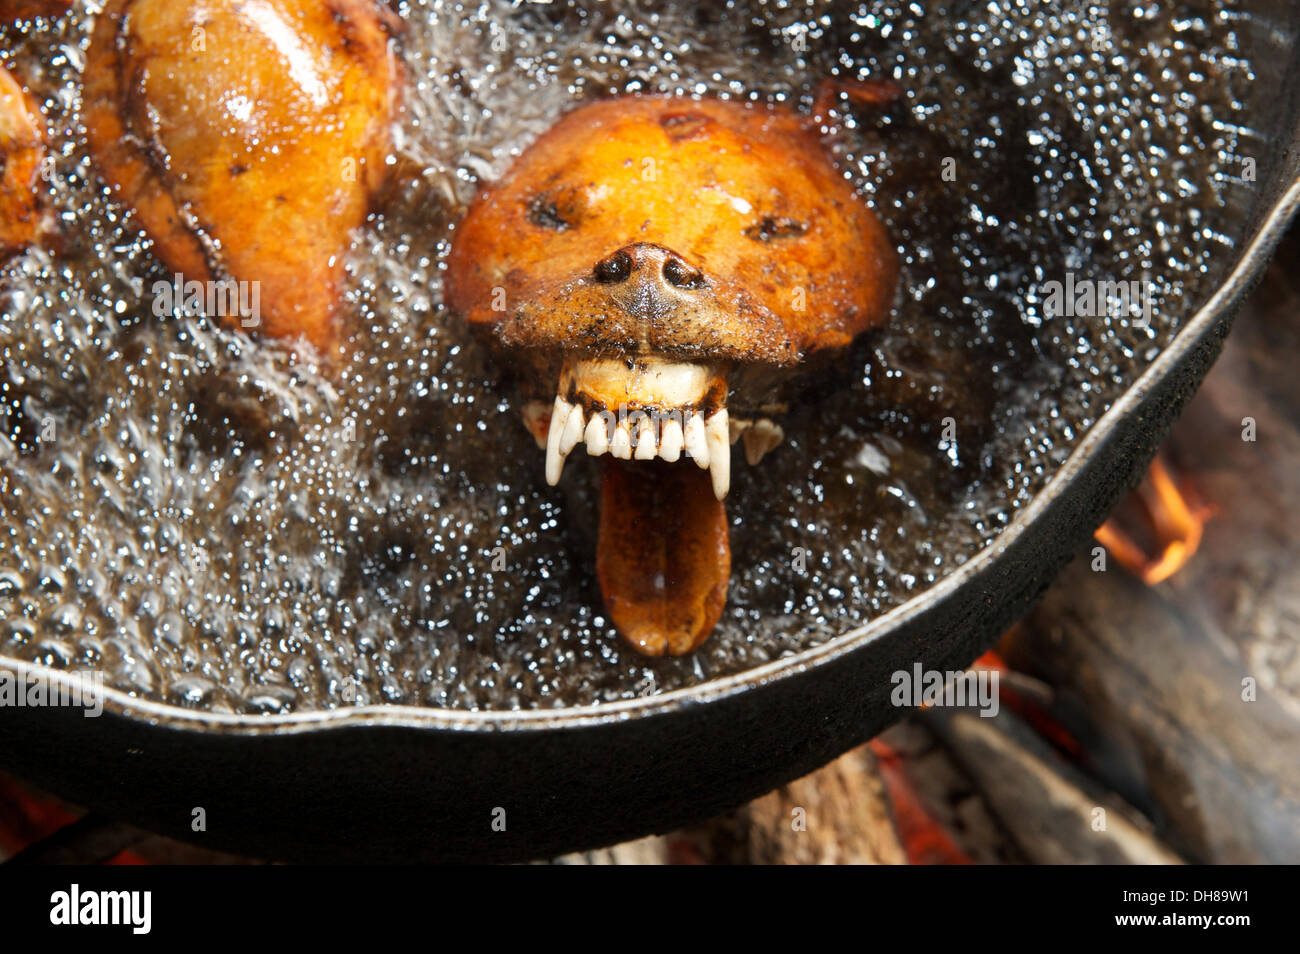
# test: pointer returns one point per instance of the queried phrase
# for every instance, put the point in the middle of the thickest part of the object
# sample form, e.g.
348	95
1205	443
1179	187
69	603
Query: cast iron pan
399	783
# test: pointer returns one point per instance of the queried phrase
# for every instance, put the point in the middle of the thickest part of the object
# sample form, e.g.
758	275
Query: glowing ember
1176	522
924	839
1035	711
28	816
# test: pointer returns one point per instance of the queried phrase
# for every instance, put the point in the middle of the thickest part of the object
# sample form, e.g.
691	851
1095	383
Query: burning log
837	815
1166	720
1054	814
945	794
925	840
643	851
1186	695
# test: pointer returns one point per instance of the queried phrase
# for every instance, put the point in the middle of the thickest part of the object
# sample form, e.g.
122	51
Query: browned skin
248	138
11	10
697	230
22	148
744	196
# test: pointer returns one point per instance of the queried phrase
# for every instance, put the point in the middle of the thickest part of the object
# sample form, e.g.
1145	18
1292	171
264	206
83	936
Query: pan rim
1228	295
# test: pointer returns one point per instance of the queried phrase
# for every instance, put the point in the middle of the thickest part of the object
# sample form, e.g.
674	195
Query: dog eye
544	211
775	228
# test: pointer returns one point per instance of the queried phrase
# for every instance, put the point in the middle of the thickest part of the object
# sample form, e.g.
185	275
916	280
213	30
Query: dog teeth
534	413
621	444
658	431
718	435
646	448
761	438
697	443
597	436
671	440
559	420
573	429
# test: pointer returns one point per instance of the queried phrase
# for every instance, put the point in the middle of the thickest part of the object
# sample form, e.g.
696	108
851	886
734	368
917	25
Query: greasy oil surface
218	526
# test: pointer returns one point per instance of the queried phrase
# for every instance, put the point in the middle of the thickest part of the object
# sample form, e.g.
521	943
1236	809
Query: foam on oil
216	526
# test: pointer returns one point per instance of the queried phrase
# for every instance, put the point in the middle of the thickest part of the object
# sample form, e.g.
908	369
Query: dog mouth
663	552
646	408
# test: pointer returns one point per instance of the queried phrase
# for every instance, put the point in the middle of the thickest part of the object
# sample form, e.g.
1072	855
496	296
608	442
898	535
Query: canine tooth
761	438
697	444
645	440
554	459
671	439
534	414
621	444
719	453
573	428
737	426
597	436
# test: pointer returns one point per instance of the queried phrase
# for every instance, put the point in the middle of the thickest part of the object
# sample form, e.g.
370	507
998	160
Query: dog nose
652	261
615	269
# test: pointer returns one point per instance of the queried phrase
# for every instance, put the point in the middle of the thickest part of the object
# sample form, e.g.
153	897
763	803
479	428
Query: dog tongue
663	556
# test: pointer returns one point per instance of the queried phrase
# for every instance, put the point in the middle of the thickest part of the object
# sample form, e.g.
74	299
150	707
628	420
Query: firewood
1054	814
837	815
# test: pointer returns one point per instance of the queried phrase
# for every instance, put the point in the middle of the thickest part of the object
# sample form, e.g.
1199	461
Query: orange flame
1176	518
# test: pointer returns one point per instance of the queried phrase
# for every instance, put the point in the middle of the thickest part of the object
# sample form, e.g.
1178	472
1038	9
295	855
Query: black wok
396	782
